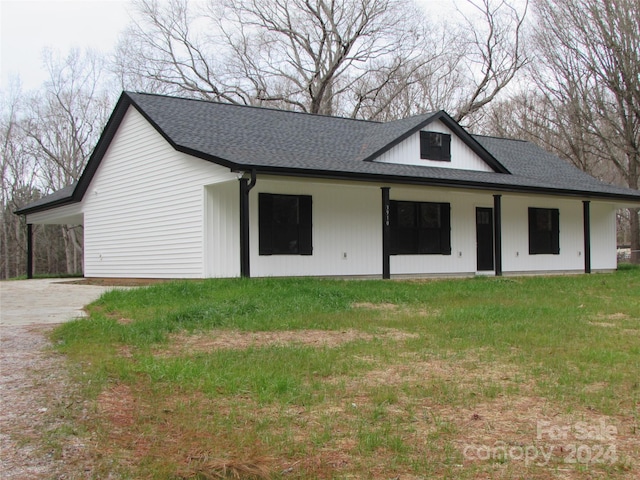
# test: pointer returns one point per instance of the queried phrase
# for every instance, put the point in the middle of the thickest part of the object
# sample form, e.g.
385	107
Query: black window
544	231
285	224
420	228
435	146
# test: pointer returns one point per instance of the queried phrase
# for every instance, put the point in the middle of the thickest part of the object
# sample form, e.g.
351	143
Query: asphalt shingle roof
278	141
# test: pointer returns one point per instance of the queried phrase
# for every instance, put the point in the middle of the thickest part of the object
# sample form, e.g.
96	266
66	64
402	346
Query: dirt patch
616	316
603	324
395	309
375	306
184	343
38	438
118	406
466	373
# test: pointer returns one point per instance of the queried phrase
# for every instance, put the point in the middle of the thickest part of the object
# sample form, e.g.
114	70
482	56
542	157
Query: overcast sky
29	26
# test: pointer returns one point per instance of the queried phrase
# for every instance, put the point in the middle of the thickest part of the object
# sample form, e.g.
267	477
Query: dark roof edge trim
455	127
181	148
110	130
436	182
61	202
93	163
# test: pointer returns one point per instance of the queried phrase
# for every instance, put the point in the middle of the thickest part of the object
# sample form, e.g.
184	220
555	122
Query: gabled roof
290	143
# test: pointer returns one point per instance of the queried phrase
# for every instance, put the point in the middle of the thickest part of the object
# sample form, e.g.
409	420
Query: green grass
376	406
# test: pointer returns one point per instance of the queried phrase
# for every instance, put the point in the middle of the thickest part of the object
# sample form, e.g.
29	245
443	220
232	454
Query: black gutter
365	177
436	182
46	206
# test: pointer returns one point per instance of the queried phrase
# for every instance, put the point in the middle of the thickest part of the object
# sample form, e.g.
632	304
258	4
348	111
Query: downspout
497	233
245	187
586	215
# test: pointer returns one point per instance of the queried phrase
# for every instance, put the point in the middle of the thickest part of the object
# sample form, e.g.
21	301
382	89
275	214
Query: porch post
29	250
586	204
497	233
245	188
244	228
386	234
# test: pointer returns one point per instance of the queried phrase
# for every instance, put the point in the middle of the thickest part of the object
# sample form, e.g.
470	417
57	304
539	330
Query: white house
181	188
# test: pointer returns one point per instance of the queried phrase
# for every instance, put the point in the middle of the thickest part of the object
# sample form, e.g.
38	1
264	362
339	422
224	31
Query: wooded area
564	74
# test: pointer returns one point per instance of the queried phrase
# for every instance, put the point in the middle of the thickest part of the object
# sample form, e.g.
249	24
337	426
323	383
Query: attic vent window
435	146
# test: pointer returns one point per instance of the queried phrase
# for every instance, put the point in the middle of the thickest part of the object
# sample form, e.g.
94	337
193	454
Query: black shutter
555	231
446	148
425	151
265	220
445	228
305	225
532	231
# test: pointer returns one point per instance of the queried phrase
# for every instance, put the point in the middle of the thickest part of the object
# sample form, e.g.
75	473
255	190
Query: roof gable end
422	121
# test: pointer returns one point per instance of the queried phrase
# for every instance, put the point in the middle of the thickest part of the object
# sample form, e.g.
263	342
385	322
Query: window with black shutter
435	146
544	231
285	226
420	228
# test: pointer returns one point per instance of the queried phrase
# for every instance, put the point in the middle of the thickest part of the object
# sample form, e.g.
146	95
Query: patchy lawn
305	378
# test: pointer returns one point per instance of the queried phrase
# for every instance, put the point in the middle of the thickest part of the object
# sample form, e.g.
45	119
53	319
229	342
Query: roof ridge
258	107
499	138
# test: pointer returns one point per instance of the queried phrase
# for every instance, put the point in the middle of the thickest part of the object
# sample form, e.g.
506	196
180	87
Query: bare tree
493	54
362	58
62	126
589	71
310	54
301	54
19	181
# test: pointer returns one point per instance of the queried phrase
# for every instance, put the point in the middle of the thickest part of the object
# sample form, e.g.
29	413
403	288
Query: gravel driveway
34	388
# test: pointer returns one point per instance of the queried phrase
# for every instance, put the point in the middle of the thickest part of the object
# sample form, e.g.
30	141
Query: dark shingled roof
290	143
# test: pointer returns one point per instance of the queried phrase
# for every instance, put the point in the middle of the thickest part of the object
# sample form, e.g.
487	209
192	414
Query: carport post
29	250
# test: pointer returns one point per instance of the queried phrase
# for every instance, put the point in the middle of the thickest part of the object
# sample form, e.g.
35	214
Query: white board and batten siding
347	232
144	212
603	236
222	230
515	235
407	152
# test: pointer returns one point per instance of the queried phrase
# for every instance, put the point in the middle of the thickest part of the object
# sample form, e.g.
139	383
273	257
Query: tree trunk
5	249
68	249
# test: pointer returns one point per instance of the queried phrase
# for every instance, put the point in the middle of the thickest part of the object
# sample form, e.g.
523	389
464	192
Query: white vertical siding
408	152
346	220
515	235
603	236
144	210
222	247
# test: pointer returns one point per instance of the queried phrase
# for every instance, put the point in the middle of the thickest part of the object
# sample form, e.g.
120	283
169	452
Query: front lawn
307	378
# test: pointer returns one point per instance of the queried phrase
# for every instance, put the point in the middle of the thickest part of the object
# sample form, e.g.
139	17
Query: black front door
484	238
